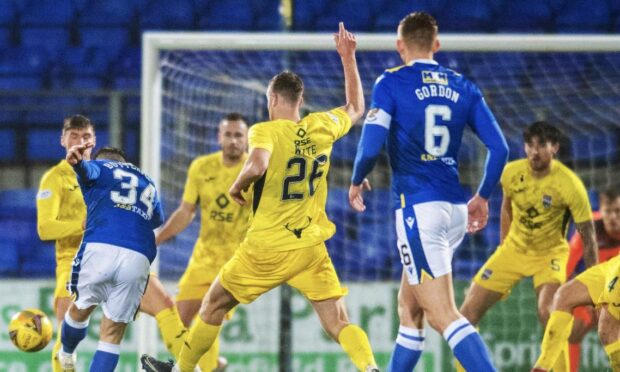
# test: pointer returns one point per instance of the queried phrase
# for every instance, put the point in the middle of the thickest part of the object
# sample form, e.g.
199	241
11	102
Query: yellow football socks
208	362
172	330
200	338
57	345
613	352
555	339
355	343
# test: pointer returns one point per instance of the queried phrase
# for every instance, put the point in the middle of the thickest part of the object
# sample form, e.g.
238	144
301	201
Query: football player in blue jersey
421	110
112	265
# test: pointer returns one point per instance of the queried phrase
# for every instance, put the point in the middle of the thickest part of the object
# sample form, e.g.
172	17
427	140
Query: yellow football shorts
196	281
611	288
507	266
252	272
594	279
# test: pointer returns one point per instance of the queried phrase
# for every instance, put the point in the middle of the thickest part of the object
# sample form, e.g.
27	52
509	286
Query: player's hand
355	195
345	42
236	193
477	214
76	153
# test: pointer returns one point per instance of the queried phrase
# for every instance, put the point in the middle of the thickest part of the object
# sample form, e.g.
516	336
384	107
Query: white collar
423	60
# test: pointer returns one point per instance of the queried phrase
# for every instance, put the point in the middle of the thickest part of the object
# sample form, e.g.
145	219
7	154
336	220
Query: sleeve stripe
379	117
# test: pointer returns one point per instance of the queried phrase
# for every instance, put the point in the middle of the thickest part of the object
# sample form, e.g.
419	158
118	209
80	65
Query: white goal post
153	43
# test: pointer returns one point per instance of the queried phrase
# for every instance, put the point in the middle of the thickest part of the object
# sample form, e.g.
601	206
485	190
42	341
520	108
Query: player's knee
410	316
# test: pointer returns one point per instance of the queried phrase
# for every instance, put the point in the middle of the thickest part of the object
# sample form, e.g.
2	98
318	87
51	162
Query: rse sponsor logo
221	216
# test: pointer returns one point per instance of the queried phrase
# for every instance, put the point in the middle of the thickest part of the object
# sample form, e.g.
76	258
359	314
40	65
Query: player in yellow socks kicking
540	194
287	165
595	286
223	222
61	214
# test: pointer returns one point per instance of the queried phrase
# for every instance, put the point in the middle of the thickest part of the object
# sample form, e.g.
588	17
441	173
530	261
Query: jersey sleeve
260	137
338	122
158	214
190	193
575	253
374	132
49	199
483	123
87	170
578	201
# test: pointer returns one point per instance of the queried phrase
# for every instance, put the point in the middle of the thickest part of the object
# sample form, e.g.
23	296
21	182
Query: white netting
580	92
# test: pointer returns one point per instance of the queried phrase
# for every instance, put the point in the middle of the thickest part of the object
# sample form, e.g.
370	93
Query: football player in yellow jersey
61	214
223	223
540	194
287	165
594	286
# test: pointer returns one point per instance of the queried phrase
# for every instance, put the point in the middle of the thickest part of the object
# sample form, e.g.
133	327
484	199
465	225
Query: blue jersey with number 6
421	109
122	204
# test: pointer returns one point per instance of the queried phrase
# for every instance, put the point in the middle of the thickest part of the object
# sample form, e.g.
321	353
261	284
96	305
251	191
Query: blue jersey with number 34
122	204
422	110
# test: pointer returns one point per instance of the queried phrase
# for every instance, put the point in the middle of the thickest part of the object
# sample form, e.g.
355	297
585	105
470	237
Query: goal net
190	81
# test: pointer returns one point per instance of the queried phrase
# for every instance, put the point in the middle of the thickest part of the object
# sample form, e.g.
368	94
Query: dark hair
77	122
419	29
235	116
608	195
544	131
110	153
287	84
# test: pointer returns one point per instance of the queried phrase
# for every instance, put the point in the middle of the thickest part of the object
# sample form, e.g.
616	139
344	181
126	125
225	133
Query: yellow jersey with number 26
288	206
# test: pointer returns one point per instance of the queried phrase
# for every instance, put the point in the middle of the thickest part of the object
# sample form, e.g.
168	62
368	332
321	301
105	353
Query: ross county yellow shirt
288	208
223	223
542	207
61	210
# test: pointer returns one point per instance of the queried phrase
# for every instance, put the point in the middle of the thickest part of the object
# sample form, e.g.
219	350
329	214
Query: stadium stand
94	46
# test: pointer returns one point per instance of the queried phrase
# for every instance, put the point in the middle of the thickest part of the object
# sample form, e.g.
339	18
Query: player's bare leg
187	310
558	325
61	304
436	297
609	333
410	339
335	321
478	301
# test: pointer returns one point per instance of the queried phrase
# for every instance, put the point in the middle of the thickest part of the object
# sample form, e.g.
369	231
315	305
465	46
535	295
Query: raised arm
85	170
345	45
178	221
253	169
590	246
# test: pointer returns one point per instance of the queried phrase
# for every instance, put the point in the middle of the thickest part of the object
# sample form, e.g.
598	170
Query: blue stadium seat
578	16
387	18
532	17
356	15
305	14
50	39
37	259
346	148
5	37
20	82
131	145
49	13
111	40
107	13
9	258
160	15
8	15
126	69
227	15
23	61
467	16
44	144
267	15
18	203
7	144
